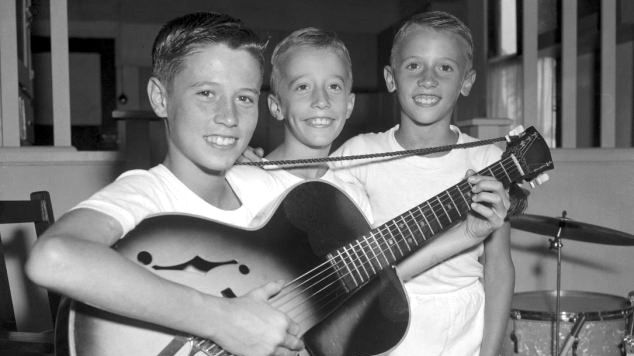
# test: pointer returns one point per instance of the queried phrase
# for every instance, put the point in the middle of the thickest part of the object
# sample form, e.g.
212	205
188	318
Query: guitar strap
419	151
174	346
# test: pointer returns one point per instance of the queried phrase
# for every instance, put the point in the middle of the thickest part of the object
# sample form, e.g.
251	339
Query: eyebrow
202	83
292	82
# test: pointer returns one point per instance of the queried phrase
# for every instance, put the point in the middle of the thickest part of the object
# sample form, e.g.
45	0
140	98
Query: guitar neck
398	238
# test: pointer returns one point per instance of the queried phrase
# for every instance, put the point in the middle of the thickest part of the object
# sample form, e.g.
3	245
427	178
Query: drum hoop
518	314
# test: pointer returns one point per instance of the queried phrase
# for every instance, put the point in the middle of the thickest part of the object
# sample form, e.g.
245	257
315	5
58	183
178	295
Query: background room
74	112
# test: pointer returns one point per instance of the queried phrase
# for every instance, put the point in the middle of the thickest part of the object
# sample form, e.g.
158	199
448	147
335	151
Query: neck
414	136
211	186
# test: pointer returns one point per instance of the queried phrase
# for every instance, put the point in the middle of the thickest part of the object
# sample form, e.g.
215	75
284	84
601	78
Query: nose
320	99
427	79
226	113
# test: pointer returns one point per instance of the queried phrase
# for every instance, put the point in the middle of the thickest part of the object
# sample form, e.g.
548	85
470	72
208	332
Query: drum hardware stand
555	243
573	338
628	340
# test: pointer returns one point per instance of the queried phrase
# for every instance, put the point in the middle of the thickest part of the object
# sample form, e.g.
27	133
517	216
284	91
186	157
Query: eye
336	87
412	66
446	68
301	87
246	99
206	93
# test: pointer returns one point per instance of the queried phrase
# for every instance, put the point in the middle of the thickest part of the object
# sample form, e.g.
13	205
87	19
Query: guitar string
437	200
379	261
384	227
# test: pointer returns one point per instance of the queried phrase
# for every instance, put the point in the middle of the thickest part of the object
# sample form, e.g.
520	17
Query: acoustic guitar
342	290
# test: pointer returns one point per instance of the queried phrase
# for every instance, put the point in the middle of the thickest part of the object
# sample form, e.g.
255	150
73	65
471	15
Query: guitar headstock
531	153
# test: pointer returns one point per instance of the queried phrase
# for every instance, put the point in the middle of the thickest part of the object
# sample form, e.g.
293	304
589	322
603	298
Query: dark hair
307	37
181	36
439	21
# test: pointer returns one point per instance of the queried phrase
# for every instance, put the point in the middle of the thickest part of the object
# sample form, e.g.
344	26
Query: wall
69	177
593	187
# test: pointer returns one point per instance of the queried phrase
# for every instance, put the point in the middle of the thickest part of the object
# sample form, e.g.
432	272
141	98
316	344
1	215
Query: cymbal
572	230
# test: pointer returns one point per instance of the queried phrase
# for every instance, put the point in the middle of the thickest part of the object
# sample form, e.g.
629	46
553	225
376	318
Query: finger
477	179
500	204
251	156
259	151
282	351
469	172
268	290
293	328
292	342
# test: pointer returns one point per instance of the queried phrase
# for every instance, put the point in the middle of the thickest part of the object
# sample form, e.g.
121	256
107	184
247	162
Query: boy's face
429	73
211	107
313	96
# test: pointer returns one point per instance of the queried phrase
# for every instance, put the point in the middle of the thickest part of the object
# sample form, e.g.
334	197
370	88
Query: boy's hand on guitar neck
254	328
490	202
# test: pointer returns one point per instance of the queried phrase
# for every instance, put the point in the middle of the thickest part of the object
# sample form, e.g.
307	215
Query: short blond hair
436	20
310	37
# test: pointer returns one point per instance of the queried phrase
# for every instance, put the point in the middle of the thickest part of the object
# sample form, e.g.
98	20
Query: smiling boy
459	305
207	73
311	93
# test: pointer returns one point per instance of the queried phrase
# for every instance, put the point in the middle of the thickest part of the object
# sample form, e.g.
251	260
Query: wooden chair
39	211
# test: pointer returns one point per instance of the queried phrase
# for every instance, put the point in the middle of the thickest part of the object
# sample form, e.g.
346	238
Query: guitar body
313	219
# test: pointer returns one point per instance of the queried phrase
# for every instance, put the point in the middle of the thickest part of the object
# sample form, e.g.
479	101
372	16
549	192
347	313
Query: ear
350	105
388	74
157	94
275	108
467	83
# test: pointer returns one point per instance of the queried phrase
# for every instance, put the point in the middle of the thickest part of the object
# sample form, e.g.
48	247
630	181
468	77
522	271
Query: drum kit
584	323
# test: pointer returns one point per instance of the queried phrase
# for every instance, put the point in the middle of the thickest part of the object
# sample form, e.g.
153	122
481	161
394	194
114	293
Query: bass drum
532	325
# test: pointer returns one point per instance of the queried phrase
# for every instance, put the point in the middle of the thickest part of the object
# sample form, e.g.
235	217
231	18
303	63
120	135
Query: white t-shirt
397	184
137	194
239	176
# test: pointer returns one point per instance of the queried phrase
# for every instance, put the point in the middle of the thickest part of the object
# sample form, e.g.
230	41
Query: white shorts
448	324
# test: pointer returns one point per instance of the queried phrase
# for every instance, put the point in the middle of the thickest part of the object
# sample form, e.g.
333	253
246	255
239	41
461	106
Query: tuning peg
514	132
539	180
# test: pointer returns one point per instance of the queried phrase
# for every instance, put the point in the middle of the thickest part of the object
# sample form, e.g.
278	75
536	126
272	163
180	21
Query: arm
74	258
490	202
499	284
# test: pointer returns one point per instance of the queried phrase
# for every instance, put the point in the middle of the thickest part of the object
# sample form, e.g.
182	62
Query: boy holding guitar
430	67
207	73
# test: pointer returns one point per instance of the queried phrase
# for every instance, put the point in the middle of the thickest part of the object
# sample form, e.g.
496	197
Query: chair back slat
39	211
21	211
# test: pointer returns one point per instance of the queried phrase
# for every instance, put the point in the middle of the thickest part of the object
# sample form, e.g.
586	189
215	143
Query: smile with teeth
220	140
320	121
426	99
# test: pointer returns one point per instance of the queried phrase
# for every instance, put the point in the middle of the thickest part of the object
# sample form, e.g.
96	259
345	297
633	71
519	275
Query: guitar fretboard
389	243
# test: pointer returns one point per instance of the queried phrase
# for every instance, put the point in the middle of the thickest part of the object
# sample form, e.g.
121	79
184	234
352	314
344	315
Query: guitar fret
427	223
360	259
443	208
490	171
422	233
454	203
354	280
507	173
396	242
410	230
376	258
400	232
436	216
463	197
345	249
387	243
